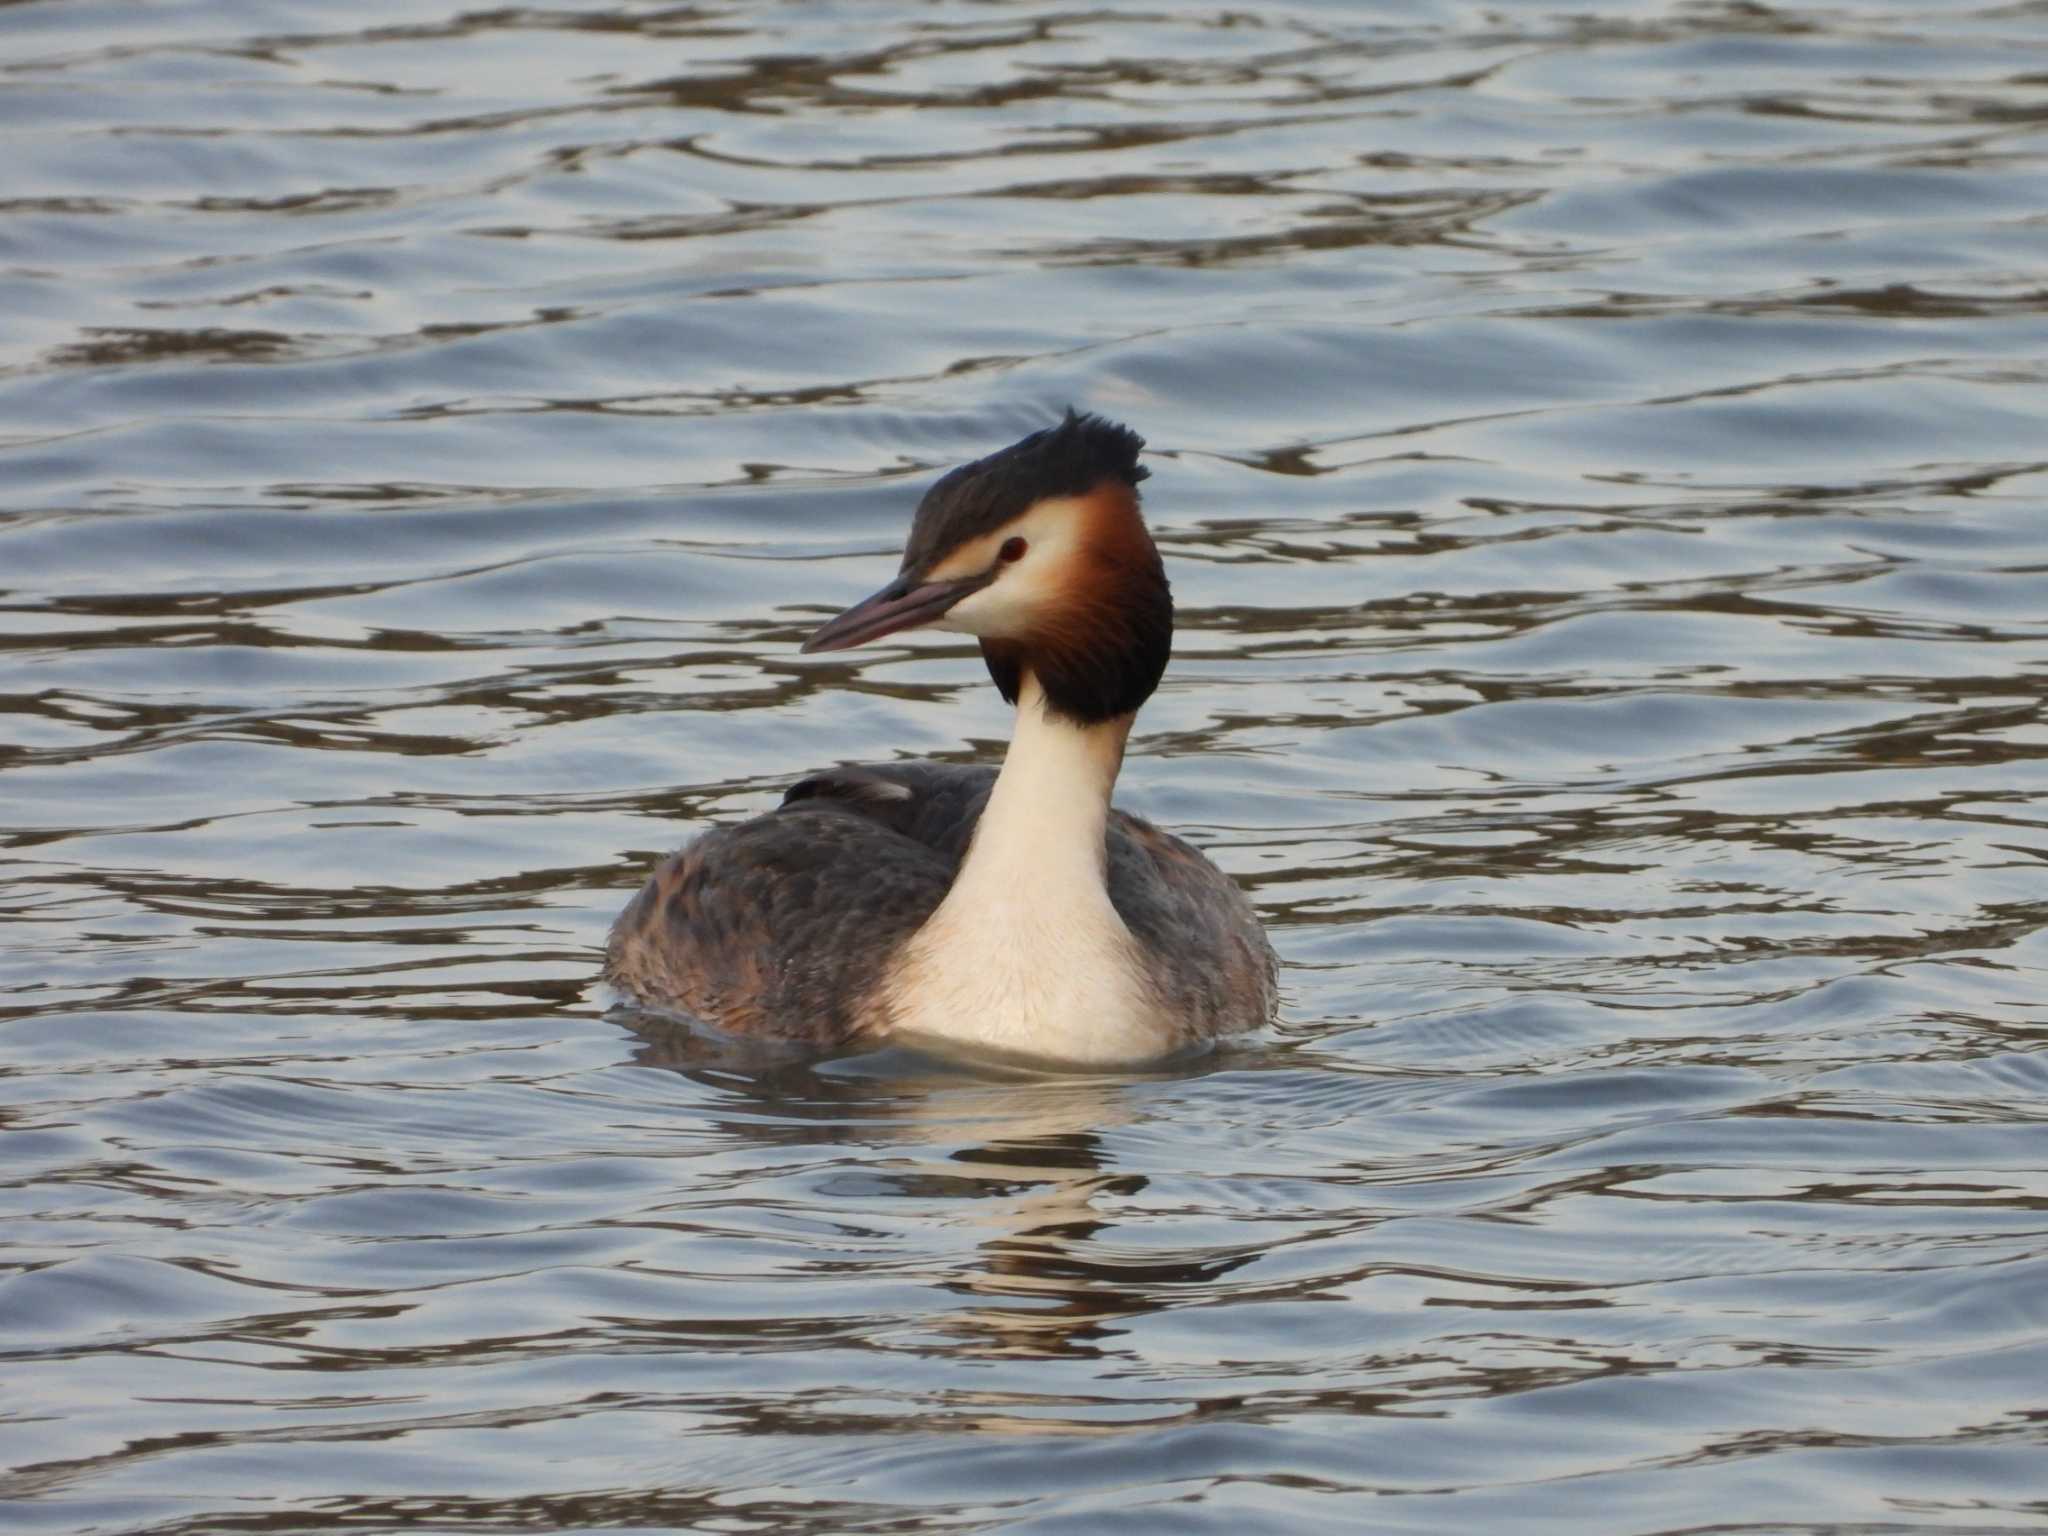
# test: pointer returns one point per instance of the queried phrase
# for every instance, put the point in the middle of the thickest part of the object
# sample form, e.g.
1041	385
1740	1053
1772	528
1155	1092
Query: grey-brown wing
1207	951
936	804
779	926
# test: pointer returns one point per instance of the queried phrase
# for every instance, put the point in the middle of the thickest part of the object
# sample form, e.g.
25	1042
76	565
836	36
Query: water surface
1599	454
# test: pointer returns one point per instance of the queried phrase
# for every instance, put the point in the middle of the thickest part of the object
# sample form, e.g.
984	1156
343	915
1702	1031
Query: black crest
1070	459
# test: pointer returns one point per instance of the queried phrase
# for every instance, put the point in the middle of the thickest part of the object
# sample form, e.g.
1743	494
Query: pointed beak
905	603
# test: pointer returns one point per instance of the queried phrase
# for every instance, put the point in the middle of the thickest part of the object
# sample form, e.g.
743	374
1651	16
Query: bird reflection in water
1021	1154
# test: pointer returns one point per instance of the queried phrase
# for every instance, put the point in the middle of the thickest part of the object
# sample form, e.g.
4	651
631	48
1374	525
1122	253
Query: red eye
1013	549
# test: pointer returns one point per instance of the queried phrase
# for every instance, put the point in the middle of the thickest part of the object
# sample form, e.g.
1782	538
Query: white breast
1038	968
1026	953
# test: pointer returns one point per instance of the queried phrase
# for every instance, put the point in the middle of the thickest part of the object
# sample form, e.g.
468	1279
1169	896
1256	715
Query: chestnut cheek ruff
1101	651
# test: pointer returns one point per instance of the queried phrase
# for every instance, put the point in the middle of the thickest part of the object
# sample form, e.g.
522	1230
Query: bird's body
1013	911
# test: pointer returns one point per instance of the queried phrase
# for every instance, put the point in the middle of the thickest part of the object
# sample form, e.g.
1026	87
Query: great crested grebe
1010	910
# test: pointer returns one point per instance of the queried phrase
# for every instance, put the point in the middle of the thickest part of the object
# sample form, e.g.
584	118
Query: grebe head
1039	552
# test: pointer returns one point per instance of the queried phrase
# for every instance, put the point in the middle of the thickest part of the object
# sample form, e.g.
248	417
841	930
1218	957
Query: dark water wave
1599	454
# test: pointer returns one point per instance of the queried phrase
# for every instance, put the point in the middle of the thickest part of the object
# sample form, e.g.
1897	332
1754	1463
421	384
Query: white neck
1049	809
1026	953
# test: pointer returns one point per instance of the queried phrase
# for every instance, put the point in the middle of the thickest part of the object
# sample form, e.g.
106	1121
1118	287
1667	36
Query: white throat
1026	953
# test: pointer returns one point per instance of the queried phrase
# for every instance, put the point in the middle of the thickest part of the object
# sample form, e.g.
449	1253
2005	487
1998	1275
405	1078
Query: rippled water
1600	455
